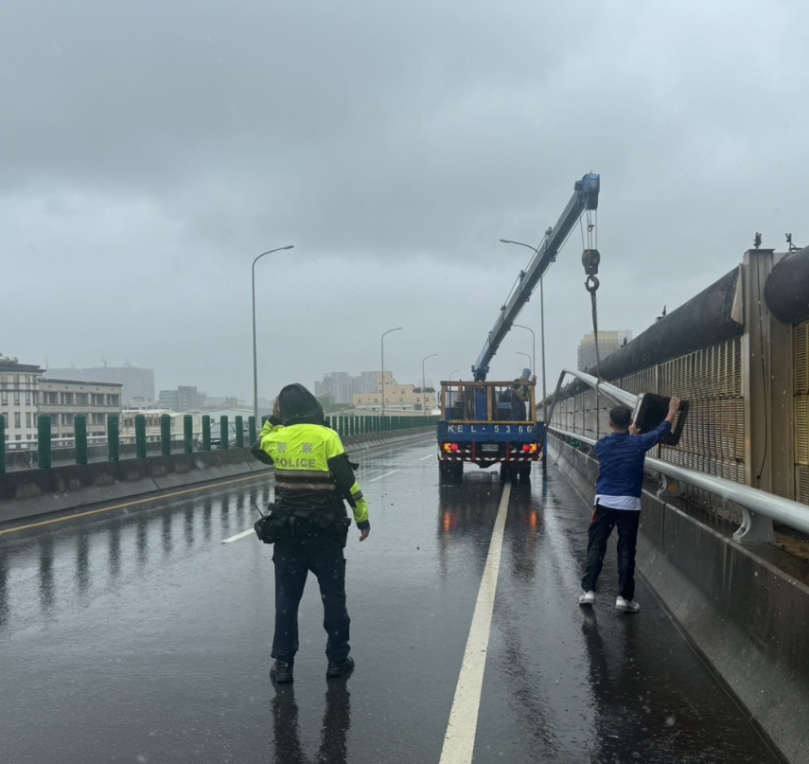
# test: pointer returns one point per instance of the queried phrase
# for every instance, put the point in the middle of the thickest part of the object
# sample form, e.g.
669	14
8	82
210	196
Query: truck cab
487	424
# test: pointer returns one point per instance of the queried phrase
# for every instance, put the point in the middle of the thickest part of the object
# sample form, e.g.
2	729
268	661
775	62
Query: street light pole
397	329
533	346
541	326
525	354
255	355
453	372
423	383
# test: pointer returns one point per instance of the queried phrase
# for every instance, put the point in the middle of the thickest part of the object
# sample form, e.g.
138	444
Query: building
25	394
368	382
341	387
19	392
226	401
155	415
141	403
137	383
608	342
231	414
184	398
65	399
153	419
397	397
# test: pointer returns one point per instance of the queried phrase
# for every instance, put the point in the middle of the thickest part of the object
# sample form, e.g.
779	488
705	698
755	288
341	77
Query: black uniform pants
293	559
604	520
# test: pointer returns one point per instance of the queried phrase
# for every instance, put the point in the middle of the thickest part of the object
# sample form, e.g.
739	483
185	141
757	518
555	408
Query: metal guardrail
759	508
622	397
68	441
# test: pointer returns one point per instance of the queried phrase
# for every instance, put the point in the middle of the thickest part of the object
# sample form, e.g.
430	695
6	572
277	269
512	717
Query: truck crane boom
585	197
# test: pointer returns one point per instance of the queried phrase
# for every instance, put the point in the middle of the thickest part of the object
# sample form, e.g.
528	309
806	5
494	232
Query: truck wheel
505	471
525	472
449	473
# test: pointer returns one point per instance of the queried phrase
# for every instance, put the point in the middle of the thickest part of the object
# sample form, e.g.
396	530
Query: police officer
308	524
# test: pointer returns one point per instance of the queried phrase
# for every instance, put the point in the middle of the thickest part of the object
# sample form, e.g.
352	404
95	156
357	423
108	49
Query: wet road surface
138	636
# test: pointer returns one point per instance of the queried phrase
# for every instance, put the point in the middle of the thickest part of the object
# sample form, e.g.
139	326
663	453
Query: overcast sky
150	149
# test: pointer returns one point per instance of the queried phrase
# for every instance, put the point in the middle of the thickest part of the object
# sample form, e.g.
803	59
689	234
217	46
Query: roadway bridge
136	604
141	634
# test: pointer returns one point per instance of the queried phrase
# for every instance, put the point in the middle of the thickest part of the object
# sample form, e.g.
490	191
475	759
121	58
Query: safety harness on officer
313	475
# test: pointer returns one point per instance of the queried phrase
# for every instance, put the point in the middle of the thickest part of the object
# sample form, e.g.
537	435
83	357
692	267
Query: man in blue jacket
620	484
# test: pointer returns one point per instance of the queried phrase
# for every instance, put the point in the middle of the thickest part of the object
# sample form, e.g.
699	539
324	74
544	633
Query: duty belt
301	523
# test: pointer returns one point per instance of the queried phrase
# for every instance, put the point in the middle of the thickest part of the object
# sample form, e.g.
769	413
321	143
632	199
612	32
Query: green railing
345	426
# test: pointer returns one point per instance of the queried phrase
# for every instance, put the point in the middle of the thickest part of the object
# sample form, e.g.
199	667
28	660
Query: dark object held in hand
653	409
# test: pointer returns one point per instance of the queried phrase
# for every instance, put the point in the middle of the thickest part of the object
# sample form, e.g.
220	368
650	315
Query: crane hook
590	259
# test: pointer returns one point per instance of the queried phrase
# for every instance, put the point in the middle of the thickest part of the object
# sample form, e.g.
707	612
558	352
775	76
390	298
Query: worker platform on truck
489	423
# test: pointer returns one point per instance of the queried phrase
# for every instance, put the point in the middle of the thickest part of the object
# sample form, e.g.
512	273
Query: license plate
490	447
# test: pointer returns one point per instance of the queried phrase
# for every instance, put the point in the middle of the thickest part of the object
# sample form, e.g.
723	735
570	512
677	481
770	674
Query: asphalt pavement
143	635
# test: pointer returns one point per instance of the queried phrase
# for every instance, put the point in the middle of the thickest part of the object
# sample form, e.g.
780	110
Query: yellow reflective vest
312	469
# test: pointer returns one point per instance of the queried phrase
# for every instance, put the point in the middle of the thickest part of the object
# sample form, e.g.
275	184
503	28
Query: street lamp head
289	246
518	243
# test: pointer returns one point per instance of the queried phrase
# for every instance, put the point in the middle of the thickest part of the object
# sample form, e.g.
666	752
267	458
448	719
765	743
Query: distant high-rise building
367	382
341	387
608	342
184	398
137	383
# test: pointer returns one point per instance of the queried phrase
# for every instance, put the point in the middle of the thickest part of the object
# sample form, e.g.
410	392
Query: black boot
281	672
340	668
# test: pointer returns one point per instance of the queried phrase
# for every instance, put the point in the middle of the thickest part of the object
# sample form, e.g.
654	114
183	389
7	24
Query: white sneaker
587	598
627	606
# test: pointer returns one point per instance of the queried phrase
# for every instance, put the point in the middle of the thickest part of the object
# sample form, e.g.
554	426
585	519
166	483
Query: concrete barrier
27	493
746	608
36	492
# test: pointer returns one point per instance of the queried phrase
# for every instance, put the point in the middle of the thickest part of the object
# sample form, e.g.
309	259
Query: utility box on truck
487	424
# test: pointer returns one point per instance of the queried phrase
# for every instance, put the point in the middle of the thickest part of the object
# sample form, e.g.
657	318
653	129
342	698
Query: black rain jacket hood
299	406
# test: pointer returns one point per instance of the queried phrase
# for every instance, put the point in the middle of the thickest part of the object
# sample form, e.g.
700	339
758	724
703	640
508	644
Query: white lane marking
373	480
427	457
238	536
459	743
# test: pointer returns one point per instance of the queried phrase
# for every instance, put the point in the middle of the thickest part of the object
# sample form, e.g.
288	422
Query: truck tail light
530	448
451	448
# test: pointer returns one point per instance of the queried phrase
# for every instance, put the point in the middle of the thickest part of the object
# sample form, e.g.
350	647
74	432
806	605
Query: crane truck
488	423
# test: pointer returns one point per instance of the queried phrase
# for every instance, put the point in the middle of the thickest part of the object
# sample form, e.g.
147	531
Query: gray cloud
148	151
